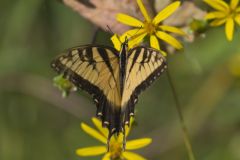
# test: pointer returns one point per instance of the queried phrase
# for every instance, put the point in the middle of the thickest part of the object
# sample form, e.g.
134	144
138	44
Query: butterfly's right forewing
143	67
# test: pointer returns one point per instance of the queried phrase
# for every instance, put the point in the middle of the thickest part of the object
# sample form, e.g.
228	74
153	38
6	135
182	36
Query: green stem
181	118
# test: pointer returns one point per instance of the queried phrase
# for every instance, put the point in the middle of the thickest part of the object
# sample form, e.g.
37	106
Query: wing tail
128	112
110	116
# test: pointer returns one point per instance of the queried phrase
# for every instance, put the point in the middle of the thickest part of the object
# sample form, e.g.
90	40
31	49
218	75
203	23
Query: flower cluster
156	32
153	28
225	14
115	146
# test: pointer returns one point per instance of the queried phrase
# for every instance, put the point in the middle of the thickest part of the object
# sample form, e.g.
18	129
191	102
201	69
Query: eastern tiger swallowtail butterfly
113	78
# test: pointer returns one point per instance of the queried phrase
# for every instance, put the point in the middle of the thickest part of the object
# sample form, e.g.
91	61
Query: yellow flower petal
169	39
116	42
132	156
143	10
128	20
133	33
136	41
237	19
216	14
218	5
217	22
163	53
166	12
172	29
138	143
99	126
135	37
234	4
94	133
229	29
119	138
154	42
91	151
128	129
107	156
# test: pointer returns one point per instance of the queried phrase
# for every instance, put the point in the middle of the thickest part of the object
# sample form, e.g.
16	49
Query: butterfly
113	78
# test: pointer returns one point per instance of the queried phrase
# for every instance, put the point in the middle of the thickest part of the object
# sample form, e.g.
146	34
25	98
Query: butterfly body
122	65
113	78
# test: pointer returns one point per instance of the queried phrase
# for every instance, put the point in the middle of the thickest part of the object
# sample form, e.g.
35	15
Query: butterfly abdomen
115	117
122	67
109	114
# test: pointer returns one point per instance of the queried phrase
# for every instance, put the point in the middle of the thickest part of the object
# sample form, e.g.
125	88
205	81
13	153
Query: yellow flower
225	13
115	146
152	27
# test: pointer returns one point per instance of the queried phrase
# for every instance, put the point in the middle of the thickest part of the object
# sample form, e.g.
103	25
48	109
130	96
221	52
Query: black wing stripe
145	54
89	54
149	56
105	57
136	55
80	54
89	57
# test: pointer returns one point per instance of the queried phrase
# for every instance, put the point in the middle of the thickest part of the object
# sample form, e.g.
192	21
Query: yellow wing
95	69
144	65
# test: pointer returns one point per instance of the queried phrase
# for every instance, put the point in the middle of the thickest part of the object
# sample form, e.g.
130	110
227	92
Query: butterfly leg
124	139
108	142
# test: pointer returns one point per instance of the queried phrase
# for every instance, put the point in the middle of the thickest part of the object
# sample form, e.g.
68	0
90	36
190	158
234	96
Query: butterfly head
126	40
125	44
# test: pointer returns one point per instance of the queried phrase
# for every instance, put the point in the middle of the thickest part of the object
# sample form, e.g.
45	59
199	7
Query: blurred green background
37	124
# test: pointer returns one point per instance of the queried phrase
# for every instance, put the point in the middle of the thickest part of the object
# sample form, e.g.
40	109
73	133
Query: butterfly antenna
108	141
130	36
109	29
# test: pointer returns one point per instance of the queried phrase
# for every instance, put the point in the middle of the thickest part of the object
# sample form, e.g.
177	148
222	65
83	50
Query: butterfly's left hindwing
95	69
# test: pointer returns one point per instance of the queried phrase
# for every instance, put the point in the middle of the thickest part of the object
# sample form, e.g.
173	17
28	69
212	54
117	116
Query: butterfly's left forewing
95	69
144	65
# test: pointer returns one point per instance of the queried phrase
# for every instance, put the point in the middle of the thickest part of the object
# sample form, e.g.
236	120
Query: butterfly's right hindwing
143	67
95	69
